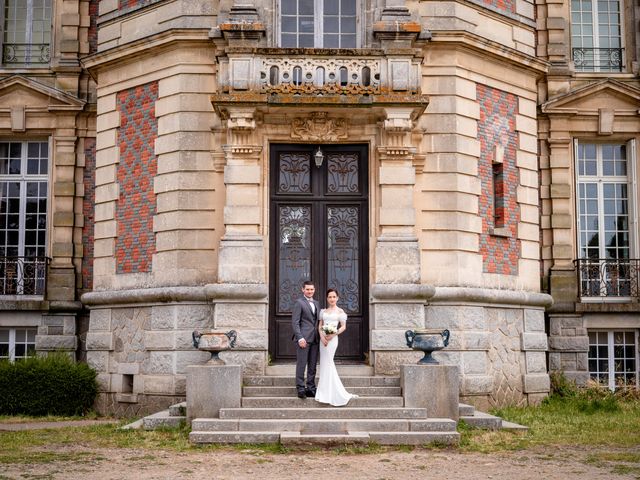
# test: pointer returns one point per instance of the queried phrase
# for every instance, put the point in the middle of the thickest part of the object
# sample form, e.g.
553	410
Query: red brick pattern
93	26
502	5
138	131
126	4
498	202
89	181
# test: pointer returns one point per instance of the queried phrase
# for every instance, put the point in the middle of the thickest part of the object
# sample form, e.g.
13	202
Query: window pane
331	7
331	25
348	24
348	41
348	7
289	7
331	41
289	41
306	41
289	24
306	7
305	25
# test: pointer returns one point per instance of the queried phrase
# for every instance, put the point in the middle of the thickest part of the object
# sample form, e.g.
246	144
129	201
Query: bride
332	319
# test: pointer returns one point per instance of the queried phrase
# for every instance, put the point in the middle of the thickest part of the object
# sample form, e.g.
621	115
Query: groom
304	321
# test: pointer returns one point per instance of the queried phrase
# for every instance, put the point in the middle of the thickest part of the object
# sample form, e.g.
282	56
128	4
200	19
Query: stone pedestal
212	387
434	387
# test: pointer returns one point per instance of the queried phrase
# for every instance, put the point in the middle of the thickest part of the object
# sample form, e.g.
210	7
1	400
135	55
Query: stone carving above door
319	128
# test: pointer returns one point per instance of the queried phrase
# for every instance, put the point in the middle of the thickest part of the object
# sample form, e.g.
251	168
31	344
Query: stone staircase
272	413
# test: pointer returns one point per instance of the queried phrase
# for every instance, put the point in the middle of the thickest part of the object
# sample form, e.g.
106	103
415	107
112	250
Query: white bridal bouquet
329	329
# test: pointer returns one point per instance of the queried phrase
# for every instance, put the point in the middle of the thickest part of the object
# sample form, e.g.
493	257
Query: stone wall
497	341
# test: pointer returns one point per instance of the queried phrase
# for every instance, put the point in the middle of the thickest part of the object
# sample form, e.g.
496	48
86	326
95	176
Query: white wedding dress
330	389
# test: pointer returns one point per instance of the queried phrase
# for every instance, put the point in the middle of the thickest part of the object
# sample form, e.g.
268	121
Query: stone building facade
47	152
417	155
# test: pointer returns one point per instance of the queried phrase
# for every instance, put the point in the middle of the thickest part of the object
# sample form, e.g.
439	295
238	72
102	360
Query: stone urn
214	342
427	341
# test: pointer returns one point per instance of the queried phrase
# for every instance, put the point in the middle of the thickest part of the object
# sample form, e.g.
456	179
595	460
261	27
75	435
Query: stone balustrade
319	72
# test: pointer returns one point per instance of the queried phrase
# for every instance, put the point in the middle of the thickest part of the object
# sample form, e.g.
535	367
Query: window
318	24
613	358
596	35
605	252
23	217
27	32
16	343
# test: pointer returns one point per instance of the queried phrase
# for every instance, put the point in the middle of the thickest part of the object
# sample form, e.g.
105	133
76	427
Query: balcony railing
26	53
598	59
317	72
23	275
599	277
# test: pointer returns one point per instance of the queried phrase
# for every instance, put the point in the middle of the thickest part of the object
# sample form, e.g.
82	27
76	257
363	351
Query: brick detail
508	6
93	26
136	207
127	4
89	181
498	205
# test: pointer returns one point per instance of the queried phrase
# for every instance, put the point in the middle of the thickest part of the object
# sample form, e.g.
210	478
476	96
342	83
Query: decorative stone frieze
319	128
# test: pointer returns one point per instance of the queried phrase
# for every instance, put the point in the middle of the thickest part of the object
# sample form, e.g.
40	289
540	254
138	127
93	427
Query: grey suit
305	325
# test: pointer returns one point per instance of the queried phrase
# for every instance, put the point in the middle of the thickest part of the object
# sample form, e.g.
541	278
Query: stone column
65	55
57	331
240	297
568	340
397	296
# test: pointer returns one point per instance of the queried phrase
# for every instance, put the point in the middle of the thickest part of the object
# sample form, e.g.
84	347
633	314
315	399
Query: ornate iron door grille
319	231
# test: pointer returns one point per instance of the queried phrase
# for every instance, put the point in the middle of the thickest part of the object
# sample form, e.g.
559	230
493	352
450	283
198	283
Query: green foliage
561	387
51	385
589	399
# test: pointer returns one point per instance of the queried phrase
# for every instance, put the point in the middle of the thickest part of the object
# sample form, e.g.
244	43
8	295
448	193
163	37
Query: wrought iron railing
26	53
598	59
23	275
608	277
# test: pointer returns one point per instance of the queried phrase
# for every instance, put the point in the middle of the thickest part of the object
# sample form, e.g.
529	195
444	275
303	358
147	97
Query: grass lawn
563	421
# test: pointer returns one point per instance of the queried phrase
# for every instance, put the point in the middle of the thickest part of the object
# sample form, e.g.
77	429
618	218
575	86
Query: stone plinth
434	387
212	387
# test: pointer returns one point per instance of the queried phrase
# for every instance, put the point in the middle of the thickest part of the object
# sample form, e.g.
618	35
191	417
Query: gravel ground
84	462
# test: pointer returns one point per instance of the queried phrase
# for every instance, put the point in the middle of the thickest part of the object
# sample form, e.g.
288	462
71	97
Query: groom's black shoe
302	394
310	393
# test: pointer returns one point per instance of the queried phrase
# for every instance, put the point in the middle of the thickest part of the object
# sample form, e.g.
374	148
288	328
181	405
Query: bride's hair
332	290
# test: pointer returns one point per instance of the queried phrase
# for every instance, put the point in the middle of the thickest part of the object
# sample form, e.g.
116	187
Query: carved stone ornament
319	128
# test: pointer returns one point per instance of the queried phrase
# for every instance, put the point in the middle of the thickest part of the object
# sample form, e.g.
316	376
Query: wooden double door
319	231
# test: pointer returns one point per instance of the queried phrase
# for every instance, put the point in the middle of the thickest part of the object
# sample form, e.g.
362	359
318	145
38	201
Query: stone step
291	391
234	437
347	381
310	403
466	410
178	410
333	413
162	419
414	438
346	370
349	438
482	420
289	438
324	426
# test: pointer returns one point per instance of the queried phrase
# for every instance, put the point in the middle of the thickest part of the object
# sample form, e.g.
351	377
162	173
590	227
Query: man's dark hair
307	283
